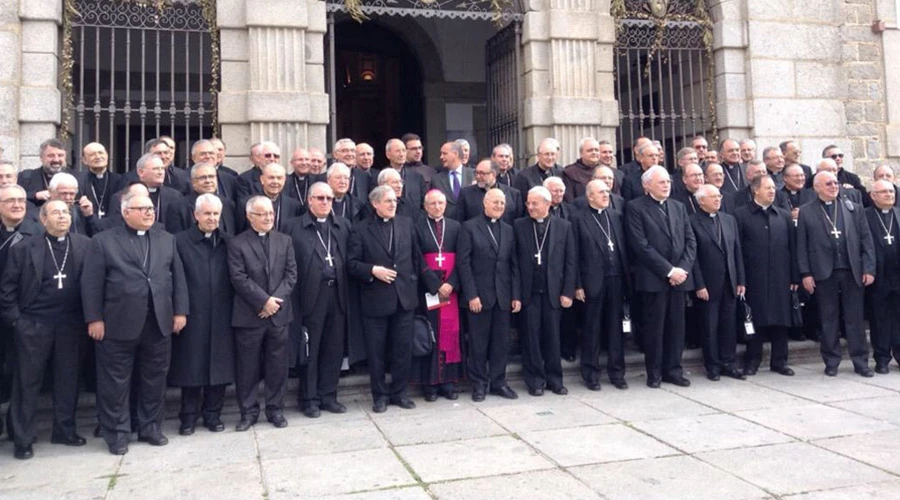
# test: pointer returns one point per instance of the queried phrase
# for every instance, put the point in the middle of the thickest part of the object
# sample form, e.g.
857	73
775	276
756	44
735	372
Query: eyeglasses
322	198
263	214
204	177
271	155
489	172
12	201
836	156
832	183
885	191
143	210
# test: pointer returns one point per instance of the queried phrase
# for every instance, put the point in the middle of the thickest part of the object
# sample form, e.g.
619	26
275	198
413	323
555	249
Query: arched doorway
378	84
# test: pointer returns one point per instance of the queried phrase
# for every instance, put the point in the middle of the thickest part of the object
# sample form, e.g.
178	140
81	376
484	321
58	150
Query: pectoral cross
890	239
329	259
538	257
100	214
836	233
59	278
611	245
440	260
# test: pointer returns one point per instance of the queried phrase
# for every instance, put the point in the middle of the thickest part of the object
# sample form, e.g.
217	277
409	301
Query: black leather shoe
653	383
882	369
750	371
214	425
97	431
713	376
559	391
592	385
865	372
536	391
312	411
451	395
186	429
679	381
734	373
118	448
431	397
619	384
278	420
379	405
831	371
245	423
403	402
73	440
156	439
478	395
787	372
505	392
569	357
23	452
332	407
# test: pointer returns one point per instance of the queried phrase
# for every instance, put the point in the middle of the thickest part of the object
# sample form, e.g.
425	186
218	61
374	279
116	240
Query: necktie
454	183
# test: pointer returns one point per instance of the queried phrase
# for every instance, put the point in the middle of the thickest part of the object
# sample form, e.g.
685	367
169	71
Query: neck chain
99	199
440	244
343	208
328	258
59	276
540	246
888	229
833	222
731	179
491	232
607	231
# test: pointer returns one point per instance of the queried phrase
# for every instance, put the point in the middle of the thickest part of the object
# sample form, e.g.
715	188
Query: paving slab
597	444
59	469
887	409
889	381
95	491
640	403
815	421
322	439
321	475
452	424
785	469
710	432
231	481
203	450
669	478
404	493
875	491
546	413
816	386
731	395
356	409
879	449
472	458
540	485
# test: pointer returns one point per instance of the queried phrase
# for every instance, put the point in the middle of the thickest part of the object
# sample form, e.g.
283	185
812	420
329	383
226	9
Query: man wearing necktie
452	178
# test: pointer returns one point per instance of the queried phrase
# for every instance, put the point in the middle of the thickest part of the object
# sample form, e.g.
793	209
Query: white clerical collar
885	210
339	199
301	177
792	191
321	219
539	221
764	207
152	190
386	219
599	211
140	232
207	235
100	175
10	229
493	221
828	202
261	233
712	215
61	238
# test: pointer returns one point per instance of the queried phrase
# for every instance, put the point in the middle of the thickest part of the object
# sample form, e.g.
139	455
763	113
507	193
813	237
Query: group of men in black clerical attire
200	278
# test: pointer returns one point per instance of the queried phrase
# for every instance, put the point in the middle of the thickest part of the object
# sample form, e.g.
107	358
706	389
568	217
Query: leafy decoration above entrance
496	11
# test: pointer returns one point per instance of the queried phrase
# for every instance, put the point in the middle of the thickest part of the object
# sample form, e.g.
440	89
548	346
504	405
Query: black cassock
203	353
434	370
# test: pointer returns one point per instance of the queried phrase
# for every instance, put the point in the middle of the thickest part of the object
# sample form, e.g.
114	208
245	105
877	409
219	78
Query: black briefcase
303	348
423	337
745	320
796	310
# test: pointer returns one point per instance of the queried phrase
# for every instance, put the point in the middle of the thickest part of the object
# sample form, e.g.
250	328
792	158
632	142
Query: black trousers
116	360
884	326
603	316
326	324
568	329
719	331
541	359
838	292
389	338
39	346
777	335
268	344
488	347
663	332
202	400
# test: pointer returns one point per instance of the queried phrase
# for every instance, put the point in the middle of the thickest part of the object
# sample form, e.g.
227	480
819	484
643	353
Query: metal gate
139	72
664	74
502	79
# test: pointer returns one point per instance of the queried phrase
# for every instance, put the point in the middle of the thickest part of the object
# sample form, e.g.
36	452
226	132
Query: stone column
568	64
273	75
733	115
889	12
9	79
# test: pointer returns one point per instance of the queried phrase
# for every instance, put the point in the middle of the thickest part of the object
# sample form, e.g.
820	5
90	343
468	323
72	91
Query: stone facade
811	70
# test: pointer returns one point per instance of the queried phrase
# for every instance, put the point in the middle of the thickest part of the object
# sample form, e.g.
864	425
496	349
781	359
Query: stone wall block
9	66
729	34
770	78
861	129
40	10
574	25
237	136
277	13
9	11
317	18
31	135
605	57
232	108
231	14
8	111
536	56
734	113
730	61
875	112
892	134
850	52
537	83
858	34
314	48
234	44
863	71
762	10
798	42
235	76
606	29
318	108
873	148
868	53
39	104
575	111
855	111
729	9
820	80
277	106
536	111
315	76
736	85
28	162
815	11
801	117
40	69
536	26
40	36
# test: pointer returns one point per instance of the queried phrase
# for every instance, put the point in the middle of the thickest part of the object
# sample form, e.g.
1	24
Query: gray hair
257	199
319	185
550	143
201	142
387	145
542	192
13	186
385	173
585	141
198	166
554	180
126	200
456	148
769	149
703	191
142	161
62	179
595	184
342	142
379	193
207	199
463	143
684	152
647	176
335	167
502	146
643	147
52	143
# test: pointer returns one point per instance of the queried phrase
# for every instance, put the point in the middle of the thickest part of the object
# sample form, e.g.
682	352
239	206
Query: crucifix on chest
59	277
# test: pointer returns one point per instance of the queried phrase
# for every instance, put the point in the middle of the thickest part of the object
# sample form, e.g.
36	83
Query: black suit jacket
714	257
25	269
561	256
298	190
168	197
256	278
882	254
114	285
441	181
414	187
487	272
532	177
369	248
176	178
471	203
32	180
248	185
659	243
799	199
744	196
181	216
309	253
591	242
285	208
814	251
113	184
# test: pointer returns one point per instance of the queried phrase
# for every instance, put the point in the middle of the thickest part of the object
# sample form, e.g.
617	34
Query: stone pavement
807	437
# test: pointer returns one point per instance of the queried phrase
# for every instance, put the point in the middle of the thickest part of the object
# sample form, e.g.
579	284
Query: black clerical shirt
53	304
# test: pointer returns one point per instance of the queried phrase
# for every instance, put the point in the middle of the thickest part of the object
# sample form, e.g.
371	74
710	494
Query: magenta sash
448	313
